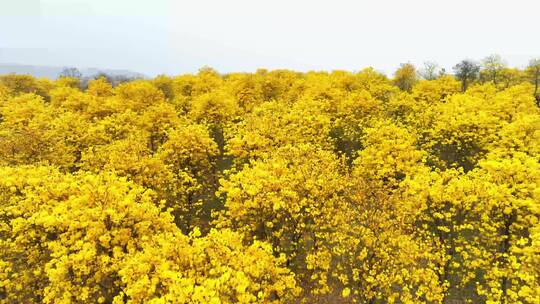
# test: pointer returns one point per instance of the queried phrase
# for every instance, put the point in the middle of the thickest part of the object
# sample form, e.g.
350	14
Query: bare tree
71	72
429	71
533	72
491	68
466	71
442	72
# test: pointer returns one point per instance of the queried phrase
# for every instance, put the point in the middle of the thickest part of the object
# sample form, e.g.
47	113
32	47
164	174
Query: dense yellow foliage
271	187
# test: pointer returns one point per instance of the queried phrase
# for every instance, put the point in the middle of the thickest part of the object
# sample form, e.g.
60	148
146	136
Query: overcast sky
176	36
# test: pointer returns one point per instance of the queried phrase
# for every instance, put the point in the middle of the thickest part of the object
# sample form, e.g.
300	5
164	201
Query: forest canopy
273	187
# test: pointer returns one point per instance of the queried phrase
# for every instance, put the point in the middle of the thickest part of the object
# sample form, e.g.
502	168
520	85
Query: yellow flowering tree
217	268
285	199
79	238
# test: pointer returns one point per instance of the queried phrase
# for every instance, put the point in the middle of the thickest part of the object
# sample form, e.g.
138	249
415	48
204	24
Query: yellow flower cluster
270	187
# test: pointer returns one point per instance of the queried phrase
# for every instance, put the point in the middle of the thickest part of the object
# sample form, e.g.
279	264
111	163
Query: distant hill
52	72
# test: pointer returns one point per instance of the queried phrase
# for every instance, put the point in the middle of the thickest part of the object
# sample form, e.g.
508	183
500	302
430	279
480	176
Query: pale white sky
177	36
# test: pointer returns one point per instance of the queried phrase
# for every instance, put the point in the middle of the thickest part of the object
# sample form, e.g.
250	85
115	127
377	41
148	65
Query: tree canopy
272	187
